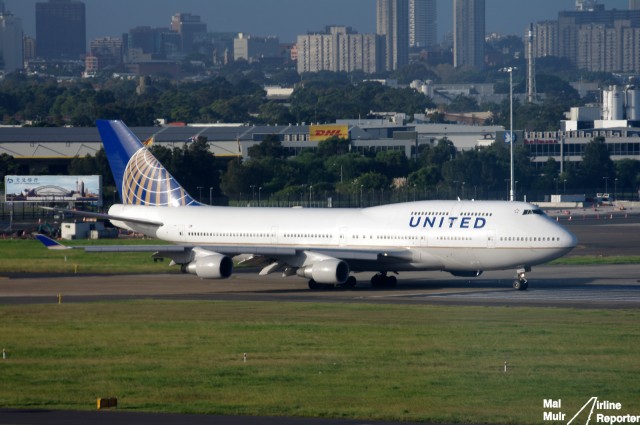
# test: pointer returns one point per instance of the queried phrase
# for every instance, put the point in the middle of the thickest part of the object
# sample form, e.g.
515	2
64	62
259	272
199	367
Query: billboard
53	189
318	133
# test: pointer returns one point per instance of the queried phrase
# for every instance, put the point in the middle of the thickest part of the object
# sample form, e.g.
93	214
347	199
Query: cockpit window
536	211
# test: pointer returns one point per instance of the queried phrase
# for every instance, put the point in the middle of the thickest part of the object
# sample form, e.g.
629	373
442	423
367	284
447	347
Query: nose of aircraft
568	239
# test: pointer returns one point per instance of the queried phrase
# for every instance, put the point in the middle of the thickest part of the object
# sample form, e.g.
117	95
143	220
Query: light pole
606	184
463	183
200	193
310	194
615	189
510	71
210	197
564	188
259	196
556	185
253	192
361	187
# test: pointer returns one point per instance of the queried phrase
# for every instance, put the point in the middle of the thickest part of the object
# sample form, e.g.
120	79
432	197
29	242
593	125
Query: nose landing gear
521	284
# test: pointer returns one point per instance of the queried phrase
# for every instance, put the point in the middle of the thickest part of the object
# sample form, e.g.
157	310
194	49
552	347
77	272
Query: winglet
50	243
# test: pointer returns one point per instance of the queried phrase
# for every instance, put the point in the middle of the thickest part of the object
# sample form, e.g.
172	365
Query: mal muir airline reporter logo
593	411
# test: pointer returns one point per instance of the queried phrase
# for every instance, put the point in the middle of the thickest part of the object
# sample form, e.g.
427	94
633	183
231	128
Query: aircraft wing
273	252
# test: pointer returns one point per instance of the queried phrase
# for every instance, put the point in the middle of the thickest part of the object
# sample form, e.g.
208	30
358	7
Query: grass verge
30	256
596	259
389	362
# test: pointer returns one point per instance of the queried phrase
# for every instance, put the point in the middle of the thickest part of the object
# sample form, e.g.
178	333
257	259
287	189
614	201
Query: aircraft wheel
517	285
376	281
313	285
350	283
392	282
525	285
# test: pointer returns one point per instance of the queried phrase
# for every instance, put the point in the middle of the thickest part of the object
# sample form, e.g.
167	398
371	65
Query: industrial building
234	140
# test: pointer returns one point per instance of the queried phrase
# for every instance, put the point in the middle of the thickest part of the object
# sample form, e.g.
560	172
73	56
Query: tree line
336	169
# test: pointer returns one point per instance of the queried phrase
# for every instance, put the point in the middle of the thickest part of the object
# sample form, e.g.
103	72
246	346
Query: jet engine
331	271
214	266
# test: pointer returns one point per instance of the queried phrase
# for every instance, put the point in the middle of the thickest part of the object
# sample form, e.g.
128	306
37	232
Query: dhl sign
318	133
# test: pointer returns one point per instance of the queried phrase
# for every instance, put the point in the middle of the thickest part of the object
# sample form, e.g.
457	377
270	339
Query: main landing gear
381	280
521	284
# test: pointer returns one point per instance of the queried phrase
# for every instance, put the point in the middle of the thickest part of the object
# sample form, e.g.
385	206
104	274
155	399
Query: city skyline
288	18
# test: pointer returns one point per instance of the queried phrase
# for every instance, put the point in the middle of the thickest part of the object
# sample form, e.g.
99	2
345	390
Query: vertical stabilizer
140	178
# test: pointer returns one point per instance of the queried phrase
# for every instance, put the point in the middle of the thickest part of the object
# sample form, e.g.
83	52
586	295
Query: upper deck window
537	211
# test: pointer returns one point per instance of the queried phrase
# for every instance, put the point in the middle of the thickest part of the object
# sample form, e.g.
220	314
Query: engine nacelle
466	273
214	266
326	271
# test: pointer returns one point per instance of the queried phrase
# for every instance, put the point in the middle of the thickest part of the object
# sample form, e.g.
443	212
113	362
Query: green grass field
30	256
396	362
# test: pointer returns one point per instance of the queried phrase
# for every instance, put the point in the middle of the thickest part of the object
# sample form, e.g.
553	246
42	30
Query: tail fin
140	178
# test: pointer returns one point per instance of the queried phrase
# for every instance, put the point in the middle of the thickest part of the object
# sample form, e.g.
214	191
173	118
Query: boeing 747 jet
324	246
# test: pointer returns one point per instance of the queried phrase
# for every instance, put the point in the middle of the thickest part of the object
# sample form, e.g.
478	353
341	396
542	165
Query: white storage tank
633	104
613	104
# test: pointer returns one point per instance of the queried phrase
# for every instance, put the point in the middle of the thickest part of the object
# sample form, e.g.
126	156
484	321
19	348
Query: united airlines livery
325	246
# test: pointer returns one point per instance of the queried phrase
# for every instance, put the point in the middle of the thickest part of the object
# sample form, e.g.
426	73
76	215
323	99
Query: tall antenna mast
531	67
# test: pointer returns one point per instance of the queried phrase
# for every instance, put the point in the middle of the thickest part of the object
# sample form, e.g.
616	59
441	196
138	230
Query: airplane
325	246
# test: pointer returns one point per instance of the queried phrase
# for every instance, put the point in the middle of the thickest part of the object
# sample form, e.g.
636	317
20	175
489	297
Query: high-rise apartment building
392	18
61	29
189	27
592	38
28	48
108	51
423	27
423	23
546	39
11	53
145	43
634	4
250	48
468	33
340	49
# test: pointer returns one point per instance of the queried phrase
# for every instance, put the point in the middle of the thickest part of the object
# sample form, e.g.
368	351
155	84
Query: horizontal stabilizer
101	216
50	243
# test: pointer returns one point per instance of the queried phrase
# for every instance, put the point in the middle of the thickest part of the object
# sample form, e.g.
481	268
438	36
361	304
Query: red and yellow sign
318	133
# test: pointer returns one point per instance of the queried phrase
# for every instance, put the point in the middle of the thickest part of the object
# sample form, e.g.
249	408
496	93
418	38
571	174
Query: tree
270	147
596	164
628	174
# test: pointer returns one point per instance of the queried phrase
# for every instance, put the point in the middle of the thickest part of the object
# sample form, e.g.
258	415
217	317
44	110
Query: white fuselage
434	235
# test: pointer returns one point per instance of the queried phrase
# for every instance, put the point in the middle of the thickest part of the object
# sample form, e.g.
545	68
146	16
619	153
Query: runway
610	286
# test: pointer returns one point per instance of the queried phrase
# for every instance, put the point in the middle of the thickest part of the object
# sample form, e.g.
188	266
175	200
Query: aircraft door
491	239
342	235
